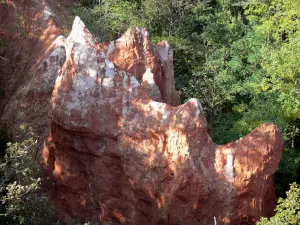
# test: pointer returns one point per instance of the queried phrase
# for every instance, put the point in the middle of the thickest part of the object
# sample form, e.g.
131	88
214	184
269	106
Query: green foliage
225	123
21	200
260	74
287	210
109	19
4	44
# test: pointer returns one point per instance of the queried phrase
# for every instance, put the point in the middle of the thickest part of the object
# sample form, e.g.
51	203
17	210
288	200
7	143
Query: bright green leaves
261	76
287	210
275	19
118	16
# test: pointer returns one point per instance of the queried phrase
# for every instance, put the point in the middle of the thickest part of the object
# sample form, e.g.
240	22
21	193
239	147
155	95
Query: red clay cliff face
117	144
118	156
29	34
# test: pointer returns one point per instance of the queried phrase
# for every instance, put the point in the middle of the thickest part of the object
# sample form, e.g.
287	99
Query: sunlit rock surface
134	53
116	143
118	153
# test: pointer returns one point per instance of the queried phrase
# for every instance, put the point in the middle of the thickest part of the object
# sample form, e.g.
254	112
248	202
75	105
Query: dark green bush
22	202
288	171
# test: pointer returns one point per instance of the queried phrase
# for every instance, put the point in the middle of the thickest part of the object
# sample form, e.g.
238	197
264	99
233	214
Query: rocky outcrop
117	156
30	58
134	53
115	141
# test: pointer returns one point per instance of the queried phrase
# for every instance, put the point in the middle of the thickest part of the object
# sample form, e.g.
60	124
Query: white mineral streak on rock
156	106
54	62
60	41
129	81
148	77
77	34
108	80
111	48
83	84
198	106
134	82
110	69
125	80
48	12
229	169
131	84
124	109
166	114
150	87
178	147
144	33
80	37
165	52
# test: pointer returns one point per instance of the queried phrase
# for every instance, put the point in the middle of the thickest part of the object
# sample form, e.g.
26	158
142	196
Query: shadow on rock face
118	156
29	33
119	147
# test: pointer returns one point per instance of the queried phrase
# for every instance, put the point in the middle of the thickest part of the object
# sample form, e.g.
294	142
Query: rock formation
134	53
29	32
120	149
116	155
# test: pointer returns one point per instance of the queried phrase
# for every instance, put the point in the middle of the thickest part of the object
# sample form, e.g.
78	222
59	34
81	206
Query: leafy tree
267	75
108	19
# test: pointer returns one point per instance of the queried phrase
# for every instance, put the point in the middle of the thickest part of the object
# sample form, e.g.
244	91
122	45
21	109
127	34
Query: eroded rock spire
117	155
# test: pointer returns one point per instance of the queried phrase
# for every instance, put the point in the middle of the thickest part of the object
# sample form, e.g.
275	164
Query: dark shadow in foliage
288	172
3	142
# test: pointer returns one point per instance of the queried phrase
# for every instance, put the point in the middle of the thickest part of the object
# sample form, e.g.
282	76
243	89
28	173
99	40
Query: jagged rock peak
117	155
115	140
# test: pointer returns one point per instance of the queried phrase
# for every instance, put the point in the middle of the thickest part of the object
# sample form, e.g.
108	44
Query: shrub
21	199
288	171
287	210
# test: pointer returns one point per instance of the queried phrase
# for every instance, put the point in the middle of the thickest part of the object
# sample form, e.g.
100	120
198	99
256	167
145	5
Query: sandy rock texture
117	156
117	145
31	54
